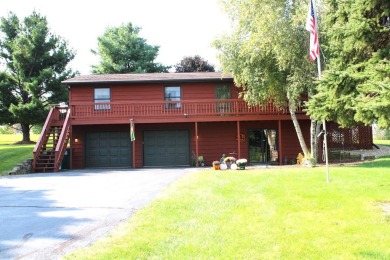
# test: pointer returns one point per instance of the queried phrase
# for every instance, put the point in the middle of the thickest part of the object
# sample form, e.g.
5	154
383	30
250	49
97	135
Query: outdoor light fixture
76	140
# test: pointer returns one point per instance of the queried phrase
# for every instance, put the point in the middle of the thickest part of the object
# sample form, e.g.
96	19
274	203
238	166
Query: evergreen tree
35	64
355	85
121	50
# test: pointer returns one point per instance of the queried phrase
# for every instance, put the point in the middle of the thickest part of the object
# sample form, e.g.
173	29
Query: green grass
12	154
382	142
278	213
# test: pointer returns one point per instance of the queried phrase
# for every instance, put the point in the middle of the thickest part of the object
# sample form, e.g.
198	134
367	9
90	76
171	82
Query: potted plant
216	165
241	163
309	162
229	160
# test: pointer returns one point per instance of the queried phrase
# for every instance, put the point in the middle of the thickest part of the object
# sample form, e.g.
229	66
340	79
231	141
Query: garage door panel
166	148
108	149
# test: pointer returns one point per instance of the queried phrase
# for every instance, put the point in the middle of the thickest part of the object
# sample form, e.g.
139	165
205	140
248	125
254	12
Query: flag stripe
311	26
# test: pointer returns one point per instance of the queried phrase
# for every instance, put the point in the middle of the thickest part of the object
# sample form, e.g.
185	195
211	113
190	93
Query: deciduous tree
267	53
194	64
35	63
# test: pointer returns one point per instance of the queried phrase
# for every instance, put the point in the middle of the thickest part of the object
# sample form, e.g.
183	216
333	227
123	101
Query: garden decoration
241	163
216	165
223	166
233	166
229	161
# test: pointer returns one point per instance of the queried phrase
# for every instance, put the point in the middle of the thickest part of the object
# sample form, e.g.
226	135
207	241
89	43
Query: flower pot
228	164
216	166
241	166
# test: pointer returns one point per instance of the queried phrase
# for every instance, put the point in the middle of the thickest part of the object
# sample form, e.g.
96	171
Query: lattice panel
358	137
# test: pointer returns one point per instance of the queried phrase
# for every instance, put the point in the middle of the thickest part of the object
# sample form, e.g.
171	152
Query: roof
149	78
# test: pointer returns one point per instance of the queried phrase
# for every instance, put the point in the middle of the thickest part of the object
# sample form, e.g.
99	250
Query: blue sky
180	27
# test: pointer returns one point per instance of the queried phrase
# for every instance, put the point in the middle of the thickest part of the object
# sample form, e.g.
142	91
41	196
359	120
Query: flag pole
312	10
324	128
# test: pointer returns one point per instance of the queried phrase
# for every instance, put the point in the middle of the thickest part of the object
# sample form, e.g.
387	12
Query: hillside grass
382	142
273	213
11	153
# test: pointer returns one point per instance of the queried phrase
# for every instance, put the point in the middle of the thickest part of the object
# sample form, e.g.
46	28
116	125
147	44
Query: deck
176	111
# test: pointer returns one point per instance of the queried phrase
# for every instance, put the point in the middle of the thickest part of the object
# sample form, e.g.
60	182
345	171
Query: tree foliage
355	85
121	50
35	64
194	64
267	52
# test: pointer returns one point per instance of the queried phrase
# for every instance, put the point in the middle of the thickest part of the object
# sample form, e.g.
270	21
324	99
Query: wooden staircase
51	146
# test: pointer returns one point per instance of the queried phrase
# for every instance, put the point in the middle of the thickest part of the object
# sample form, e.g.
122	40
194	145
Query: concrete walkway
45	216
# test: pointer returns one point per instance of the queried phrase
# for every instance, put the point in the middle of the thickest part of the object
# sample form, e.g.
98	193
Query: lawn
12	154
382	142
274	213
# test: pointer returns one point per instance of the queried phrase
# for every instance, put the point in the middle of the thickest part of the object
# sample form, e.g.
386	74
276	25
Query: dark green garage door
166	148
108	149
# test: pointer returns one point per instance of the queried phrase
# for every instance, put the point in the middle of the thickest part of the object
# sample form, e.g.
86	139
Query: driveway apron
47	215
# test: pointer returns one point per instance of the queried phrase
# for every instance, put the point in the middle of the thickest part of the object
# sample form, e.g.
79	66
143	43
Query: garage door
166	148
108	149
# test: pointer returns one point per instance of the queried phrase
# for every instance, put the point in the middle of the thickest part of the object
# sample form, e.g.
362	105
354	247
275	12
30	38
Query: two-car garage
160	148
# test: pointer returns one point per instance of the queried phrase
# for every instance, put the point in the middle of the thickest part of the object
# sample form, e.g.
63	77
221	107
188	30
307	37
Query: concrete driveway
45	216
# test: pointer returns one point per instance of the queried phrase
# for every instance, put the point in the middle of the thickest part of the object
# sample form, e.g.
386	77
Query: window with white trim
172	93
103	96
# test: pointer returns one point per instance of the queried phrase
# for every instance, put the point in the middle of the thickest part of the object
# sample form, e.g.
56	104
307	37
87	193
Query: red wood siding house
176	118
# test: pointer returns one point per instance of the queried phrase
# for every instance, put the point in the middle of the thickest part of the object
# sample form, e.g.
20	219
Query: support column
280	142
196	145
71	147
133	153
238	140
133	146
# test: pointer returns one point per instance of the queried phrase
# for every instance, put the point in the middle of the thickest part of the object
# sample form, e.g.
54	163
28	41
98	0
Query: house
174	118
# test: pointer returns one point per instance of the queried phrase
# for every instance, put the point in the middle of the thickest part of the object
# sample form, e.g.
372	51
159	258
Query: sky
180	27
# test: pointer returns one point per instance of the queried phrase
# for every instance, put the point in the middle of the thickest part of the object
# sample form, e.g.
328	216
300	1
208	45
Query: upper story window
102	95
172	93
223	92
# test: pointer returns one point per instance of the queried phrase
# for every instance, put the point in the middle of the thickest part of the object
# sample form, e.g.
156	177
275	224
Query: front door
262	146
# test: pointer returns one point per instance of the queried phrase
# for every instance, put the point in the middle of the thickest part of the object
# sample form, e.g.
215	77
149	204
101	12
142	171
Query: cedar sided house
175	118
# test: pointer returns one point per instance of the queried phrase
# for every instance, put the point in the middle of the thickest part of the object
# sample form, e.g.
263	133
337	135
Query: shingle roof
148	78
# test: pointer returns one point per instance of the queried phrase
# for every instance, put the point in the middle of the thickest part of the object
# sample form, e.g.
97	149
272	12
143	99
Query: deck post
196	145
280	142
238	140
133	144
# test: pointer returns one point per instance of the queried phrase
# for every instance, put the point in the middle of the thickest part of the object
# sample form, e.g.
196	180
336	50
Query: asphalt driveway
45	216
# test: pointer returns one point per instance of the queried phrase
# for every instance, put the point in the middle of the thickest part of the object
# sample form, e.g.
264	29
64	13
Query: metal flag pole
323	122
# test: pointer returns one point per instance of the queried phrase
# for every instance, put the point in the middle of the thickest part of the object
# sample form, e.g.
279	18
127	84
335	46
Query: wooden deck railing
62	142
172	108
42	140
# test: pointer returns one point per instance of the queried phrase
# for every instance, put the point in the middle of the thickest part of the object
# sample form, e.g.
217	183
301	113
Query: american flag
311	26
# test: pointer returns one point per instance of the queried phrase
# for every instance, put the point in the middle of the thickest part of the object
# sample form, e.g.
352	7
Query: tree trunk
315	128
302	142
26	133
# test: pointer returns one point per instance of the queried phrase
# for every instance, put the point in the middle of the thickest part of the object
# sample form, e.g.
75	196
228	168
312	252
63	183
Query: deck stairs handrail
62	142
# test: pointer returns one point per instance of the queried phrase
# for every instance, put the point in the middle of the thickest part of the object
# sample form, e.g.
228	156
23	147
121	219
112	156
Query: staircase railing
43	138
62	143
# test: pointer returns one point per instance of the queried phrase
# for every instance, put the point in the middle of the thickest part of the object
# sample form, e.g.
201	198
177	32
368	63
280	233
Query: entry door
262	146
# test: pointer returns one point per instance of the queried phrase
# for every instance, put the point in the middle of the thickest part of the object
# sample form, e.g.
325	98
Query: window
102	95
223	92
172	93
